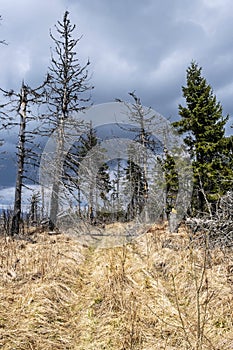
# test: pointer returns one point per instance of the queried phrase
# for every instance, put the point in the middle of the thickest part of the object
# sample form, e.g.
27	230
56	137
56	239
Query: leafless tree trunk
54	204
15	227
34	213
66	90
20	102
140	116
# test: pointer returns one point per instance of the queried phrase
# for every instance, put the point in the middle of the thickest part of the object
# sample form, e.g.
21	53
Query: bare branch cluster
68	79
218	229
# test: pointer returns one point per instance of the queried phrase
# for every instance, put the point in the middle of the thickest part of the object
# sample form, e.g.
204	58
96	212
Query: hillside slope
158	292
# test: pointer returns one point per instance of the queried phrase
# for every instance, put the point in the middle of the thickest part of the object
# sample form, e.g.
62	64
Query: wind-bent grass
158	292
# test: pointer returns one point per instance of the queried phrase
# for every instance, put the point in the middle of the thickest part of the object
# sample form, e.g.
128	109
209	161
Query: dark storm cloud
132	45
145	46
148	45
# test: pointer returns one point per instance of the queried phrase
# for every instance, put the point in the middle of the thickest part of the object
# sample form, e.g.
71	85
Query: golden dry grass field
158	292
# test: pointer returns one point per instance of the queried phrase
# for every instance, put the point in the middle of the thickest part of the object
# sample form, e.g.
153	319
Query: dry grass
158	292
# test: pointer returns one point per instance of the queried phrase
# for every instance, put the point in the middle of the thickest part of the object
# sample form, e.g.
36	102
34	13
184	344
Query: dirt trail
58	294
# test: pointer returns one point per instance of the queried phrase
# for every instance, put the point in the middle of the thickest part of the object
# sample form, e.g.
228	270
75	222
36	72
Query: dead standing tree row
66	92
63	93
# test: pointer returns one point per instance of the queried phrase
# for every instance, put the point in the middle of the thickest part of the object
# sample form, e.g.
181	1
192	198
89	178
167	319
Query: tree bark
15	226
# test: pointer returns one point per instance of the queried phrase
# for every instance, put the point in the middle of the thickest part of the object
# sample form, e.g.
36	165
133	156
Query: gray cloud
132	45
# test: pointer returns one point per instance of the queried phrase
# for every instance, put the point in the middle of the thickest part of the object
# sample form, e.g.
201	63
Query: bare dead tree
142	118
67	93
20	102
34	206
5	221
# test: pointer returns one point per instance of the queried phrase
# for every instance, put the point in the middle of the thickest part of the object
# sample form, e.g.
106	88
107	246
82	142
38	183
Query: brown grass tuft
158	292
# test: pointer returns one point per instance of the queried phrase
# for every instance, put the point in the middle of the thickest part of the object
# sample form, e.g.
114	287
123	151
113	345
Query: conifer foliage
203	124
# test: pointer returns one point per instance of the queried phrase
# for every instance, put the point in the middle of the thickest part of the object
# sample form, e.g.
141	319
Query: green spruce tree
203	125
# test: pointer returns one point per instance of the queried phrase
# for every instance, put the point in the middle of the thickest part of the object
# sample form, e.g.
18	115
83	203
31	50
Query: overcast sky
132	45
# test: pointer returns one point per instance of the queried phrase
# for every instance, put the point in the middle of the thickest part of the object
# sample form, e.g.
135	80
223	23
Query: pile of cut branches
219	228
